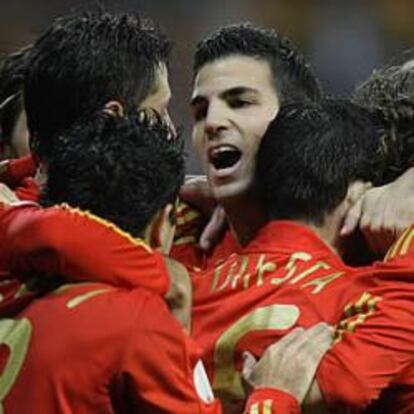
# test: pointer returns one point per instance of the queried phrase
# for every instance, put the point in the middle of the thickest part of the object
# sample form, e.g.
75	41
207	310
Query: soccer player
242	75
291	274
97	347
384	212
46	67
90	347
372	358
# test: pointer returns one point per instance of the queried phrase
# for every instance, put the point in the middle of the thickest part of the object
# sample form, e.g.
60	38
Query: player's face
160	97
233	101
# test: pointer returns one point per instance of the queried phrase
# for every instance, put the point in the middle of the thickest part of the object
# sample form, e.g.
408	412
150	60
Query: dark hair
390	92
292	76
85	60
121	169
311	154
12	71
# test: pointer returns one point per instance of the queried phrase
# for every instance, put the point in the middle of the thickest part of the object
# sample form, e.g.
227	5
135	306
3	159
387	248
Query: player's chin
230	190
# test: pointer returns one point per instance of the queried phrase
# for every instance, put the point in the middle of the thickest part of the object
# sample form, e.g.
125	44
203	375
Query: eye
199	112
239	103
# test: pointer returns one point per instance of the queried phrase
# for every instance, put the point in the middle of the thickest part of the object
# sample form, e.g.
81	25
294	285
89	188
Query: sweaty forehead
233	72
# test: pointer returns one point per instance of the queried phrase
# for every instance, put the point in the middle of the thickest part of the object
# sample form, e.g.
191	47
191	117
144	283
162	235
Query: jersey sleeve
18	175
374	344
78	246
13	171
272	401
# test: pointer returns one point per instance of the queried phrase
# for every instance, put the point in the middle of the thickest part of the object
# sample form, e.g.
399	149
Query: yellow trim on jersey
267	407
187	217
182	206
76	301
407	242
254	409
135	241
356	314
184	240
393	251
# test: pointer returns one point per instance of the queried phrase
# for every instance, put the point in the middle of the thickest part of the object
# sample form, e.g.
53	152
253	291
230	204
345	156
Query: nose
216	119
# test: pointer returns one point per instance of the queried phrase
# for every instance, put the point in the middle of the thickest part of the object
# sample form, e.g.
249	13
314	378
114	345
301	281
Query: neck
246	216
329	231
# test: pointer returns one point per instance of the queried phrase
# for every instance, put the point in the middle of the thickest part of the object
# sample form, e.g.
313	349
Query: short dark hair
84	60
12	71
292	75
389	91
121	169
310	155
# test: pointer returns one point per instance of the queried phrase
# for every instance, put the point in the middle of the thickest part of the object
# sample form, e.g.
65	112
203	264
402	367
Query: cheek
256	137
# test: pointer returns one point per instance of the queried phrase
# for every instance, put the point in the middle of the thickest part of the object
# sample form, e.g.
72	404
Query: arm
289	366
374	343
383	213
78	246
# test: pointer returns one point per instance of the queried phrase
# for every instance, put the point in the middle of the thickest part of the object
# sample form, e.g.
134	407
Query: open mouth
225	156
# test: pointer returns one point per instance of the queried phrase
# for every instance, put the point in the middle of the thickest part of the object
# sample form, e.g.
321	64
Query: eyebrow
229	93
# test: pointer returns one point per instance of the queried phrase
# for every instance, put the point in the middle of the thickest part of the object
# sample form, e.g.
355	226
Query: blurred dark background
343	39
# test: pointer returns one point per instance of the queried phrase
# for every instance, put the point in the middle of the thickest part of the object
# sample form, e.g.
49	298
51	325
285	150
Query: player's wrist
275	401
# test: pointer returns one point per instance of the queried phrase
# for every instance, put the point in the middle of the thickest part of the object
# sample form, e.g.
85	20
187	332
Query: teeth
223	148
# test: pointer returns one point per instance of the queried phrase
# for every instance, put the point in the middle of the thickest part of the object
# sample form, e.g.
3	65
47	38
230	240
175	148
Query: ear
160	232
114	108
355	191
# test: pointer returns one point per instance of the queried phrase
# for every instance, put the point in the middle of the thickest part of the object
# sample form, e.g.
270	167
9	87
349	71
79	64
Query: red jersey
185	248
94	348
91	246
160	370
287	277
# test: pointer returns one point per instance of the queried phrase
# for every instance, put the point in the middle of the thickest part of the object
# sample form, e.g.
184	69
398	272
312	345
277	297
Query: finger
249	362
352	218
372	227
213	230
320	329
196	190
316	342
310	338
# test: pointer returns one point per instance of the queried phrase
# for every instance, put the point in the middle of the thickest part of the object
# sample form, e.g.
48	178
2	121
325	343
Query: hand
383	213
179	297
7	196
196	191
290	364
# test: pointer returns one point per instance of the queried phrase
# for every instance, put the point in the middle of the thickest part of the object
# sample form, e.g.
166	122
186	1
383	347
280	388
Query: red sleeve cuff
18	169
272	401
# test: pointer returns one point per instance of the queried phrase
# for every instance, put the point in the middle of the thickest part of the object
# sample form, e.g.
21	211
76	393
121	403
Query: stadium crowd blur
344	40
